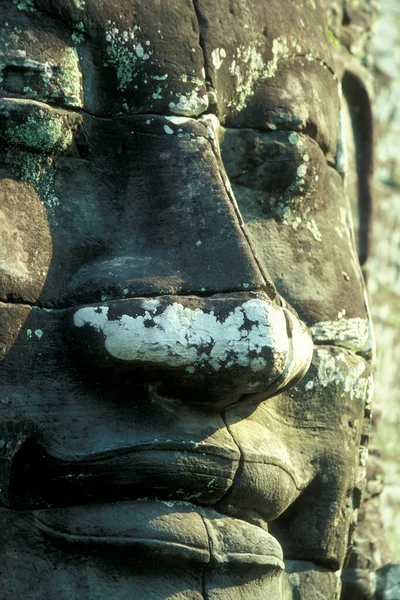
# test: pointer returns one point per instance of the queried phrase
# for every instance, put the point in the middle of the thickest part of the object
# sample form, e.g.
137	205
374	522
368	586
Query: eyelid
37	126
57	81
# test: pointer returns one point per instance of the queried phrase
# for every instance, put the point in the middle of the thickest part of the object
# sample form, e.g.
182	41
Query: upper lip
173	471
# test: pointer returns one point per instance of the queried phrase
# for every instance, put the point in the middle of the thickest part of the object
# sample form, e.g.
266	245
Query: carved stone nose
210	350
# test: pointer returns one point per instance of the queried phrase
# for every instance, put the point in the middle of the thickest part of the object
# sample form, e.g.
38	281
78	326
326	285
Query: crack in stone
312	58
206	294
270	288
239	467
201	40
208	565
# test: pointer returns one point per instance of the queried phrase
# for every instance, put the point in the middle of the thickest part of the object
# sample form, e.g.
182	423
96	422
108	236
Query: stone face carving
171	186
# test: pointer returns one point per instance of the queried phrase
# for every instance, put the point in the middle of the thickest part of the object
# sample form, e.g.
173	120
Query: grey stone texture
186	345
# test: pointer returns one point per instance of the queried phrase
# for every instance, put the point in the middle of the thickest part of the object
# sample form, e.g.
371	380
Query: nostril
207	350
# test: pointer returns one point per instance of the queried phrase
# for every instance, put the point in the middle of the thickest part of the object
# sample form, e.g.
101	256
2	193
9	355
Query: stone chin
133	548
222	347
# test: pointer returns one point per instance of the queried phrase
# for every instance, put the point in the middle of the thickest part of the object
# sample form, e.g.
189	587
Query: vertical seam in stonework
219	159
201	40
207	566
233	201
239	468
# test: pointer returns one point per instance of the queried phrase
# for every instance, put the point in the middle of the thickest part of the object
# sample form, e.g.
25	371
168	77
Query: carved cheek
26	245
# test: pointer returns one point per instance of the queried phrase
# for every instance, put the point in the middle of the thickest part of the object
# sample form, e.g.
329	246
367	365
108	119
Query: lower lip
173	528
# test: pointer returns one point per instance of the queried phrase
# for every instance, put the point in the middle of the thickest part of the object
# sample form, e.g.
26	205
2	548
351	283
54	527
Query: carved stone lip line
107	539
194	551
62	524
178	447
196	448
198	119
240	462
145	296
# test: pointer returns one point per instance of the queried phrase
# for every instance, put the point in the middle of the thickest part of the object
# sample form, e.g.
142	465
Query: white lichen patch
334	370
182	337
151	304
190	103
354	334
177	334
313	228
178	120
248	67
301	170
213	128
168	130
296	223
218	55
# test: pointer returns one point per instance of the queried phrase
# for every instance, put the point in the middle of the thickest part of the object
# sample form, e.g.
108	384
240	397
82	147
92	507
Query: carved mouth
147	499
200	473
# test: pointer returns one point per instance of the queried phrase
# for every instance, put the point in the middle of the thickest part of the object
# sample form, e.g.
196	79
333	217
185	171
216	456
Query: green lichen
38	170
126	54
45	80
80	4
39	131
77	38
157	95
77	35
69	77
334	40
29	91
26	5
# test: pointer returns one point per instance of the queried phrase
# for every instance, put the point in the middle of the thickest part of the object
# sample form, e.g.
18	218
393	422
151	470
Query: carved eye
58	83
271	170
15	80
